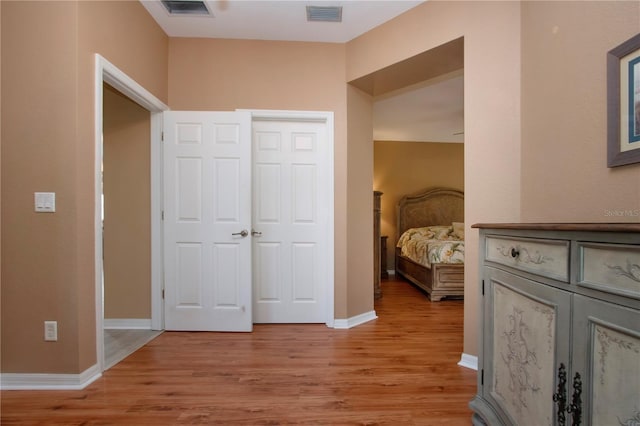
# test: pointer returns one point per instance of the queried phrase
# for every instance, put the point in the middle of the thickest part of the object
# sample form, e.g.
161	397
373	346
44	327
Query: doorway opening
127	87
126	189
409	98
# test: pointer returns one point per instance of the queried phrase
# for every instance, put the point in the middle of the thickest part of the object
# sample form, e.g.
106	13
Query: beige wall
564	115
39	136
359	211
0	190
219	75
127	195
491	32
403	168
48	267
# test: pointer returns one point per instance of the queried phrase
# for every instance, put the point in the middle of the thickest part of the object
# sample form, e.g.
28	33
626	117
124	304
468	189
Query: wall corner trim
354	321
469	361
26	381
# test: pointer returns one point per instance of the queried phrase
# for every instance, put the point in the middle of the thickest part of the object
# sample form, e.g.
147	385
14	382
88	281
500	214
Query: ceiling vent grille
186	7
324	14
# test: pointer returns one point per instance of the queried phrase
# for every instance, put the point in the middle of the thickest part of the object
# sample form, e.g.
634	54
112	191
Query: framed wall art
623	103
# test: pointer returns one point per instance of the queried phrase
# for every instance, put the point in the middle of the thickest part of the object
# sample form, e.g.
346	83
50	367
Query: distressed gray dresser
559	339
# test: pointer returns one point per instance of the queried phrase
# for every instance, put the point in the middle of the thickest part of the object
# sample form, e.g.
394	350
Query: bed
436	209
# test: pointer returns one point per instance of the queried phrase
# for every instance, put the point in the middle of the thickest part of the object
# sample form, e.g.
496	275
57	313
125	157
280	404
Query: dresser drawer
614	268
547	258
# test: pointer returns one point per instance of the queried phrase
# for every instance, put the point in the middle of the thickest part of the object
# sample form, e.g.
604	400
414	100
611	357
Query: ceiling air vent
324	14
186	7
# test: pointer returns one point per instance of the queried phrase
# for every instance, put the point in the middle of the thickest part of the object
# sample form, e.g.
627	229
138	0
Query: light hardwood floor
400	369
119	344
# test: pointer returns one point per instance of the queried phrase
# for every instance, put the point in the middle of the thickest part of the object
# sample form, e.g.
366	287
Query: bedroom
418	132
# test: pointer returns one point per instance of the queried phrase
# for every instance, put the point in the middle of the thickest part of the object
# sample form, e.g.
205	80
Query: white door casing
207	197
291	192
106	72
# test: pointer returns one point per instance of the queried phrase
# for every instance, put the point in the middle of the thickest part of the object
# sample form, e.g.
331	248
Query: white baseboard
469	361
128	323
354	321
18	381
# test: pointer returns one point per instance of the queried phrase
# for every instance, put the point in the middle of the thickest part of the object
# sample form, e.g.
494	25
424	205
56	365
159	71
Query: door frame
106	72
318	117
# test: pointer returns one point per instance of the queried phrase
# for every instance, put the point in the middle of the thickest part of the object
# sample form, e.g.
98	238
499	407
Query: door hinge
162	215
162	136
482	283
482	377
163	294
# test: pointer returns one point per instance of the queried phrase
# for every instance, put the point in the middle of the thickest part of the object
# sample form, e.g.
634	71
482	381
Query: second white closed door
291	193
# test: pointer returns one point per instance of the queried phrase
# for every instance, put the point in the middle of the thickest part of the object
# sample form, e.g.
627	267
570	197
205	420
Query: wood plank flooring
400	369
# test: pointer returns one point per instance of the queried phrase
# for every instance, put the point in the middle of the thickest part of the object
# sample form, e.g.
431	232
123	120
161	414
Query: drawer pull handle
514	252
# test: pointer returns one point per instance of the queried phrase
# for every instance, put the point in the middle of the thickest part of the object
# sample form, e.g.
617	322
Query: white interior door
207	199
291	190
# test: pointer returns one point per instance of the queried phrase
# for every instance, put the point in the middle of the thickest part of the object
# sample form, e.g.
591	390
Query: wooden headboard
435	206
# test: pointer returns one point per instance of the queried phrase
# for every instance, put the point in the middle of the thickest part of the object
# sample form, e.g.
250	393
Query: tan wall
359	211
564	116
39	135
491	32
48	267
219	75
127	196
403	168
0	190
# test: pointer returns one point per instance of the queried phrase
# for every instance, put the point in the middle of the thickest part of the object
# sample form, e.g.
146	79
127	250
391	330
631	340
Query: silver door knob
242	233
256	233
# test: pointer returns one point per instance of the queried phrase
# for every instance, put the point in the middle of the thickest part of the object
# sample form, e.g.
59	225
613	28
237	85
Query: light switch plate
45	202
51	331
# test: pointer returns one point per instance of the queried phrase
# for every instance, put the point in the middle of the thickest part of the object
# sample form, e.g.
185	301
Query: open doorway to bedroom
418	137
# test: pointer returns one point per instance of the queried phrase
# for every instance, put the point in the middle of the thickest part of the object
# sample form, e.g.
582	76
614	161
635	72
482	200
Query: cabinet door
606	353
527	326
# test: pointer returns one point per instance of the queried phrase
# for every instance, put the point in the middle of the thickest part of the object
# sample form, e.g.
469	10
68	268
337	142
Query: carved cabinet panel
523	346
560	332
606	338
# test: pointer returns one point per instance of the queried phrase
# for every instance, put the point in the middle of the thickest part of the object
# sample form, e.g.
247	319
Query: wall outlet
45	202
51	331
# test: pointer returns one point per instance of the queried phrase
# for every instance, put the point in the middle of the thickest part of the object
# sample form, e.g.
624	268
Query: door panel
189	280
290	199
267	209
304	193
207	199
304	272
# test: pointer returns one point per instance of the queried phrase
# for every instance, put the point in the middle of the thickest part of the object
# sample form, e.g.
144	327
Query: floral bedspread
433	244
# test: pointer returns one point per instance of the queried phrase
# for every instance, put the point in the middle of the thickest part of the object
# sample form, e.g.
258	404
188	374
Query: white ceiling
430	111
279	20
